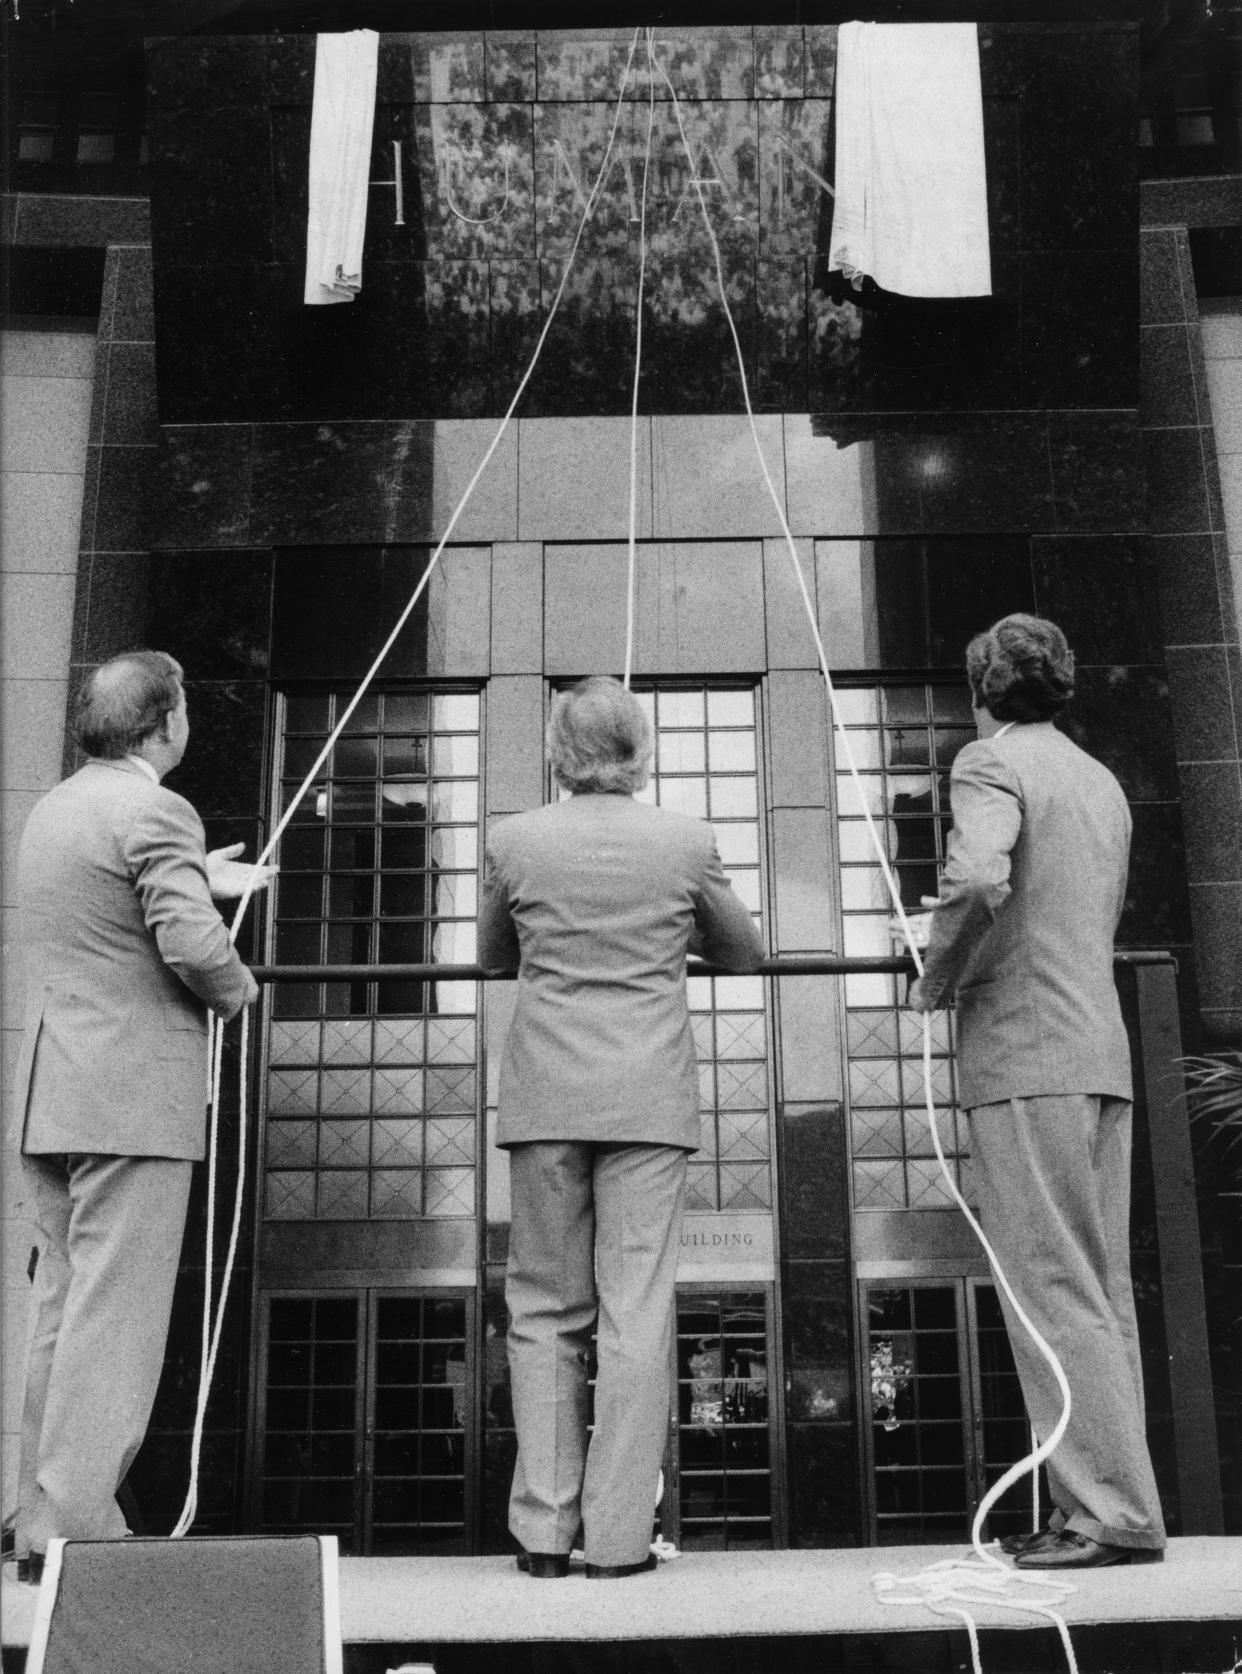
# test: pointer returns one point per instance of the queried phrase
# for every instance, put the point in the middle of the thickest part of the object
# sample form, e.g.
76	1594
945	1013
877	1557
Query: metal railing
788	964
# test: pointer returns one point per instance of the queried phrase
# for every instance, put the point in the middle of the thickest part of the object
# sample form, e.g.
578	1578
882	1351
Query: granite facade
257	468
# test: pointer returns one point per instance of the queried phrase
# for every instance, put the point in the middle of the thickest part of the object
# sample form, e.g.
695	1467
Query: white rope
988	1574
632	572
212	1339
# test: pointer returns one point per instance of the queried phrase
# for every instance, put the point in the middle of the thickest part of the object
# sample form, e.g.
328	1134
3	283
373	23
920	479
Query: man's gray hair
599	739
125	700
1021	669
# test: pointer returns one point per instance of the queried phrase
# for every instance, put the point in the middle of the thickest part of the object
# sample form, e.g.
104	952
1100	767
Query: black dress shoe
1015	1543
616	1572
1078	1551
30	1568
544	1566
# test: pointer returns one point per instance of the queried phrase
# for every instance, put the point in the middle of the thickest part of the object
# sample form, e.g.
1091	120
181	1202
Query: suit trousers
108	1231
596	1232
1053	1181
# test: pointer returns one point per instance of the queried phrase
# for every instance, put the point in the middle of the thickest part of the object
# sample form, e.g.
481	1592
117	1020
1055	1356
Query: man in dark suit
124	952
1021	939
597	899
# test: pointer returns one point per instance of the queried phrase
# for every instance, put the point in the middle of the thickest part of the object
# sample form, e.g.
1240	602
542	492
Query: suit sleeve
166	853
499	949
724	932
987	818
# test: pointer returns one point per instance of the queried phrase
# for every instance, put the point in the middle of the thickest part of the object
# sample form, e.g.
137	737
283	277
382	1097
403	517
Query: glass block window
372	1086
310	1437
904	739
706	764
421	1405
918	1414
724	1439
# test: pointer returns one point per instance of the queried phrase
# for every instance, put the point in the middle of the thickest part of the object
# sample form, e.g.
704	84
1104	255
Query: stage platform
759	1613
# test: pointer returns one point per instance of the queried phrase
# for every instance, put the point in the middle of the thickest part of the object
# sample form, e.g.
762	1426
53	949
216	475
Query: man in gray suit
598	899
1022	939
123	954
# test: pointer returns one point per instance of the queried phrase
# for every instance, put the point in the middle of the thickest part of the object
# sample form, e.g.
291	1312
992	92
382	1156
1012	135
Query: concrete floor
722	1595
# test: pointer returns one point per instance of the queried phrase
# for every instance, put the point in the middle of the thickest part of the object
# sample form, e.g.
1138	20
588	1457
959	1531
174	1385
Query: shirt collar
999	733
145	765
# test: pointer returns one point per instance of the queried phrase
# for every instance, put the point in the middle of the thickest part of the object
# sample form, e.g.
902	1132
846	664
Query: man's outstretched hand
228	878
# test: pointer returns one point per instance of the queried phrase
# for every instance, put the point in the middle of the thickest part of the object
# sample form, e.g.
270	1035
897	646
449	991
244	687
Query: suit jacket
124	951
1033	887
599	899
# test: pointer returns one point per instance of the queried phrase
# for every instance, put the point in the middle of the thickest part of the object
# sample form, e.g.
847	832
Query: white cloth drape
340	163
911	190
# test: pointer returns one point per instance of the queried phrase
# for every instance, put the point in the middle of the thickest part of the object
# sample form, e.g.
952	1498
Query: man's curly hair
1021	669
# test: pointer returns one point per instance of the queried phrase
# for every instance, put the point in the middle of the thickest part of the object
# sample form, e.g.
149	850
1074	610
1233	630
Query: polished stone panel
780	62
123	511
572	142
129	413
803	874
476	171
1157	912
1212	816
798	730
585	607
814	1210
1177	493
708	609
365	483
834	349
781	371
218	342
1097	471
1002	151
980	472
1078	121
708	480
1168	381
1080	356
810	1039
829	484
824	1507
201	481
334	608
587	361
1199	688
223	773
517	608
510	59
690	357
1162	299
574	479
1122	716
208	72
491	511
133	315
931	596
514	746
821	60
795	207
1097	588
790	641
291	69
1218	947
1190	599
209	610
211	177
442	69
